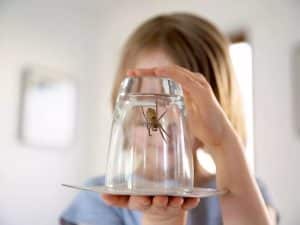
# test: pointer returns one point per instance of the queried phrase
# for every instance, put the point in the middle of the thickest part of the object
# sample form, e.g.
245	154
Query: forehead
150	59
153	58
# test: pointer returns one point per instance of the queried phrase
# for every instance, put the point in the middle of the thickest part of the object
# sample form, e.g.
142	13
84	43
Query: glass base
196	192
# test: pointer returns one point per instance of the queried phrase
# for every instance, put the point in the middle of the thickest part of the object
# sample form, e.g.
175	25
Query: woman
191	51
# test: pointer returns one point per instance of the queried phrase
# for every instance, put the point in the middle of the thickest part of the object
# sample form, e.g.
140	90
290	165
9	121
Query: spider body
153	121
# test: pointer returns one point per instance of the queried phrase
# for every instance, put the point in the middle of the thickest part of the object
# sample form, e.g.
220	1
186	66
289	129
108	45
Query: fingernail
129	72
158	70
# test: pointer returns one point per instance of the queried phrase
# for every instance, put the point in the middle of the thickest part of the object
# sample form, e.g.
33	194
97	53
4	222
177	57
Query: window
241	55
48	108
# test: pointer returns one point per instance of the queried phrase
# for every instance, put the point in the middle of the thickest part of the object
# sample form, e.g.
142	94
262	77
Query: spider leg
162	114
147	123
162	135
164	131
142	109
149	130
156	112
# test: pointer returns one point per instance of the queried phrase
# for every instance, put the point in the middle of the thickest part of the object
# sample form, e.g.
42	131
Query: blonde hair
196	44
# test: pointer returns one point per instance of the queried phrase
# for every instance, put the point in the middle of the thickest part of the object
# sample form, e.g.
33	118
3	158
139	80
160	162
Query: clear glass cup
149	146
149	151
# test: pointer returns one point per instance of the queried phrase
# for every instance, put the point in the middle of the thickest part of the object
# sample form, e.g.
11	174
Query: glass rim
169	86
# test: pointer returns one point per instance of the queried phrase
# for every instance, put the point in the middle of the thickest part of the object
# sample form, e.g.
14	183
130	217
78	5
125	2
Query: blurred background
58	60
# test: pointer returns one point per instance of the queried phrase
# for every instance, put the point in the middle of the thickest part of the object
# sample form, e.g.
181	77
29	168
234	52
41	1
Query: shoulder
88	207
263	190
268	199
261	185
209	211
95	181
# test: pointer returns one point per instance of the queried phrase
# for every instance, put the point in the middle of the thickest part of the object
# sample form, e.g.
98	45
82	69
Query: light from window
241	55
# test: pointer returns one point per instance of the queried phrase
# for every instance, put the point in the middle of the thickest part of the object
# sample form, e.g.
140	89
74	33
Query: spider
153	121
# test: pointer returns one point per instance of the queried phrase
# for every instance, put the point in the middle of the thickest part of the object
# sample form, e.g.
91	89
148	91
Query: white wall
84	38
61	37
273	27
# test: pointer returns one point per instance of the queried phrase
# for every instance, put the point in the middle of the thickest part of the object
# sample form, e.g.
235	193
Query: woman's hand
156	210
207	121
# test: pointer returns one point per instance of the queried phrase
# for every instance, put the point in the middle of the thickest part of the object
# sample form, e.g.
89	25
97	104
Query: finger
164	71
139	202
189	75
160	202
130	72
187	79
190	203
189	101
201	78
141	72
116	200
175	202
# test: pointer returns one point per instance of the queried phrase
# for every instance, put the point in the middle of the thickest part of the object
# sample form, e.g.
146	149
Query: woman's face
158	58
154	58
145	60
150	59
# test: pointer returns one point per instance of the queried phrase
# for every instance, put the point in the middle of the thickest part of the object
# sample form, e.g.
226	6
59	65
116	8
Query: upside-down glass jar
149	149
149	145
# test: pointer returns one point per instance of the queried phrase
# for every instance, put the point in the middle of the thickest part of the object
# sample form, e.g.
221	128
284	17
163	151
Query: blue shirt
89	208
